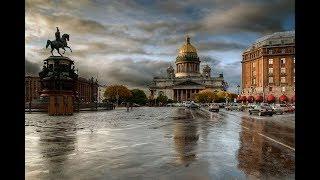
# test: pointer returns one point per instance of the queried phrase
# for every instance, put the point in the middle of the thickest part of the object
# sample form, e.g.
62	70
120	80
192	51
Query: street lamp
30	95
117	97
238	86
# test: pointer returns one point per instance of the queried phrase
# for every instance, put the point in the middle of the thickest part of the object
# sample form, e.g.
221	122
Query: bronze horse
59	44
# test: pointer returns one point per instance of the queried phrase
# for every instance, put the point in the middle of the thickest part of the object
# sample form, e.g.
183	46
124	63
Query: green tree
138	97
115	92
162	98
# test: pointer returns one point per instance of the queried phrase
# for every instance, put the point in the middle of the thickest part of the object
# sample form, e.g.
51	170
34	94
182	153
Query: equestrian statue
60	42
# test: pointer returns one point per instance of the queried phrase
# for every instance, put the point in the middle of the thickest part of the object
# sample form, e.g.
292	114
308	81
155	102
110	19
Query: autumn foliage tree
120	91
205	96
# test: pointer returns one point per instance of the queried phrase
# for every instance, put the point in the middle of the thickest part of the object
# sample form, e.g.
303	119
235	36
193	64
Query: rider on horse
60	42
58	37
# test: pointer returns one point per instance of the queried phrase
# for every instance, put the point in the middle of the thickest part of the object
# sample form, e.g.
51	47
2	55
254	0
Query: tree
117	91
162	98
205	96
138	97
222	95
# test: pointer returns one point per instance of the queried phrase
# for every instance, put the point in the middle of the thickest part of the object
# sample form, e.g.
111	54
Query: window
294	79
270	61
270	70
283	50
283	70
270	51
283	60
294	70
283	89
253	65
270	79
254	73
254	81
294	60
283	79
270	88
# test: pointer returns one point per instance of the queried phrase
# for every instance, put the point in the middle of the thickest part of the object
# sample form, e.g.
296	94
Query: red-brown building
32	87
87	89
268	67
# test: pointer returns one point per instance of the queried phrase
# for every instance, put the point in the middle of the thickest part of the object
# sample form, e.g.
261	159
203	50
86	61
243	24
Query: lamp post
238	86
117	97
96	102
30	95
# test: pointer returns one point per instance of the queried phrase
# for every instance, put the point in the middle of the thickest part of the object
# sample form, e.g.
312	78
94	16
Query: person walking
127	106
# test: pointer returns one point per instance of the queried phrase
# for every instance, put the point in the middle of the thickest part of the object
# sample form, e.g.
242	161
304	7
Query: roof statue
59	42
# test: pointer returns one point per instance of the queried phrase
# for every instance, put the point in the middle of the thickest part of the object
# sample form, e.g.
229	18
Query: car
234	107
214	108
290	108
192	105
277	109
261	110
286	108
221	105
170	105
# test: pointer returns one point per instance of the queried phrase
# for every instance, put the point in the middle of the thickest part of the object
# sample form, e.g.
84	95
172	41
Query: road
161	143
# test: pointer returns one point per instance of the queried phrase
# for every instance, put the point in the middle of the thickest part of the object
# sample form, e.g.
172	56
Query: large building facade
183	82
86	89
268	67
32	87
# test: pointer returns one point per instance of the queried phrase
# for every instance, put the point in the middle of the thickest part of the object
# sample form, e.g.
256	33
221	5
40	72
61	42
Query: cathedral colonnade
184	94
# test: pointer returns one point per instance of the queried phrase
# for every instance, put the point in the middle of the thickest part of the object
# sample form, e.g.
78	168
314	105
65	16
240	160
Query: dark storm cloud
72	24
31	67
127	71
225	17
209	60
257	16
220	46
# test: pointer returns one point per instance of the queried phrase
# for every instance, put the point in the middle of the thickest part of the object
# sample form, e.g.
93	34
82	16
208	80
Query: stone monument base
60	103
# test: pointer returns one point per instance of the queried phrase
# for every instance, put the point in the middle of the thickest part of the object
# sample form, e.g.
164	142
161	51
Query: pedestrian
131	106
127	106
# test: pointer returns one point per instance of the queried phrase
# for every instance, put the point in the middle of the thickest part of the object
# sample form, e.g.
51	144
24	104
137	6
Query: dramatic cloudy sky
130	41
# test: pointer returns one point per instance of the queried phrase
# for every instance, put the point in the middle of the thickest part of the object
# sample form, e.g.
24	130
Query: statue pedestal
60	103
58	81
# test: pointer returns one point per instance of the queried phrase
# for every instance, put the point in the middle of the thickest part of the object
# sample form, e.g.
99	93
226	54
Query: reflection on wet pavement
164	143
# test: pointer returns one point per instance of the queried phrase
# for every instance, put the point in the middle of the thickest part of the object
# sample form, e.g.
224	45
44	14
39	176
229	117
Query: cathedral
186	80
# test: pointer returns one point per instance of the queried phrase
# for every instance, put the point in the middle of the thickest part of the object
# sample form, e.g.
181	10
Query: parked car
221	105
234	107
277	109
192	105
261	110
286	108
291	108
214	108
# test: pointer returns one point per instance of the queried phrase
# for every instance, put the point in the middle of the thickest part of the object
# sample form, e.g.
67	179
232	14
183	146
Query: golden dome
187	47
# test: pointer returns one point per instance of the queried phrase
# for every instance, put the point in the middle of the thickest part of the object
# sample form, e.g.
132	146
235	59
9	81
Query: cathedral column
188	94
